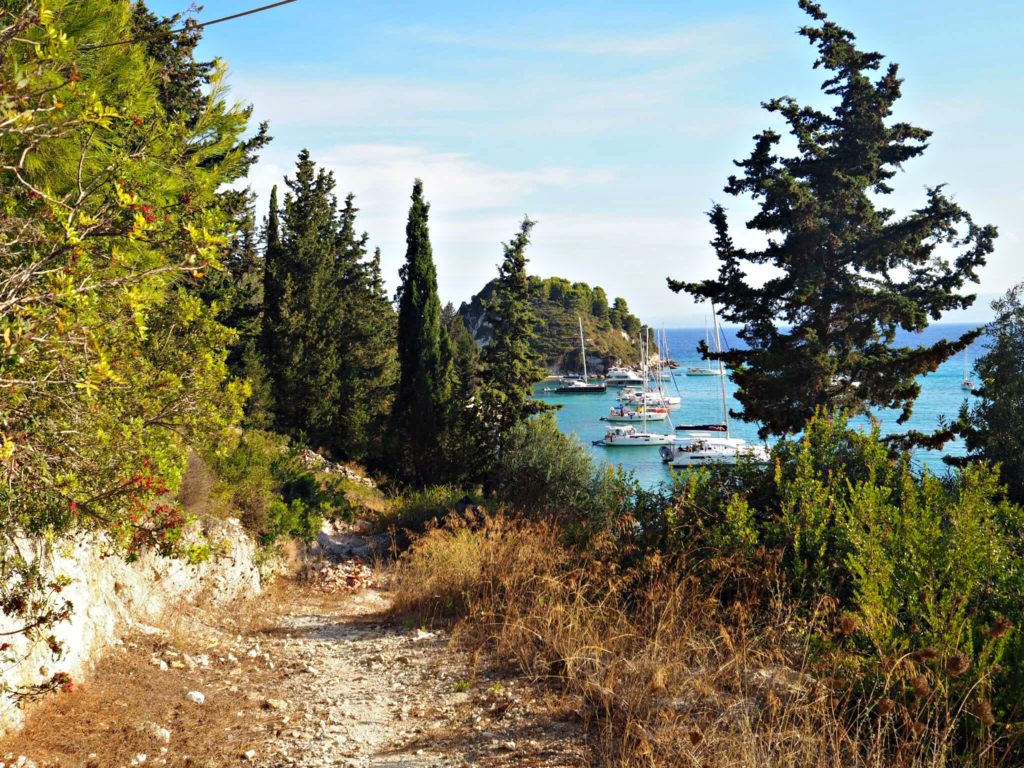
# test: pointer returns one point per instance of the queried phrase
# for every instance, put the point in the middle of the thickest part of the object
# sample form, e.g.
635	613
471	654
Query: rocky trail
312	674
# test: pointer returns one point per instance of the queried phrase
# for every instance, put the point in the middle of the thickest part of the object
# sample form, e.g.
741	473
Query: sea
941	396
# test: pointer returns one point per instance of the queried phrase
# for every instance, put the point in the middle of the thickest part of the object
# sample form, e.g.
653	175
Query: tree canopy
848	272
421	402
993	426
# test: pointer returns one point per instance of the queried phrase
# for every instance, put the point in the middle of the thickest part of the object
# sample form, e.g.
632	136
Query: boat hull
589	389
639	440
638	418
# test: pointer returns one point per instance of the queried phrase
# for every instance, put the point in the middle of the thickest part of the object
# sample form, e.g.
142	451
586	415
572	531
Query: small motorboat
638	414
619	437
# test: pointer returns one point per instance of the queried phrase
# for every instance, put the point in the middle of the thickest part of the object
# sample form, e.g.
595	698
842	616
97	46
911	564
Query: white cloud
350	102
739	35
383	173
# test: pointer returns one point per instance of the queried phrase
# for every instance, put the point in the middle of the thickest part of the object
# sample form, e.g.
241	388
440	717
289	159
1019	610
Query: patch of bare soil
306	676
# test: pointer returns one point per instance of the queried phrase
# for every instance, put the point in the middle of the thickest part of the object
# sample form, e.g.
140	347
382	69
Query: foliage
993	428
509	365
262	480
612	333
110	367
543	472
820	334
921	573
667	664
462	441
415	509
422	398
328	329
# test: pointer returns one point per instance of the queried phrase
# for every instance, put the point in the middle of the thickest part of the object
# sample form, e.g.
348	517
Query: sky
613	125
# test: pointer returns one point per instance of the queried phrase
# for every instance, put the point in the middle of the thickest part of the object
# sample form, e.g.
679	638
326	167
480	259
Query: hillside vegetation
612	332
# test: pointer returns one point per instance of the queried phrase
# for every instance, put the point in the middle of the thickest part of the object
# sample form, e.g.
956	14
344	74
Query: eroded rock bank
110	597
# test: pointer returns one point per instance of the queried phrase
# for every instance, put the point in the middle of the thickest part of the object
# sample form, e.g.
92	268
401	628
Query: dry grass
108	719
662	666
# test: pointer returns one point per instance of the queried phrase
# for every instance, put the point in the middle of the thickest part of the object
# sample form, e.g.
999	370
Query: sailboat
576	385
703	445
707	370
619	436
967	383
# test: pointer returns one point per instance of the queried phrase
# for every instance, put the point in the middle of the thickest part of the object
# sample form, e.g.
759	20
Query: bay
941	396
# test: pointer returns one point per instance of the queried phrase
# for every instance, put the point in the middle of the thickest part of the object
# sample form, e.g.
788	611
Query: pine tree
300	301
113	367
328	328
993	428
509	367
421	401
820	334
464	453
365	334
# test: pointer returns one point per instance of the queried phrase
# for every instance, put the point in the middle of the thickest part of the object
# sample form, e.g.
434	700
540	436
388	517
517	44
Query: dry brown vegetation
668	666
109	719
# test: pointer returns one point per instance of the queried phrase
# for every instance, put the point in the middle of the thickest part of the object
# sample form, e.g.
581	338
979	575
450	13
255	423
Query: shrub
262	480
544	472
663	669
416	509
903	563
451	568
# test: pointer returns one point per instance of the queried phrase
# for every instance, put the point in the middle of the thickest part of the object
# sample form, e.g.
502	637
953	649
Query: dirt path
310	680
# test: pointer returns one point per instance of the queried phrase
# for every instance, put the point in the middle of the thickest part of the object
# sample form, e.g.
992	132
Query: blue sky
613	124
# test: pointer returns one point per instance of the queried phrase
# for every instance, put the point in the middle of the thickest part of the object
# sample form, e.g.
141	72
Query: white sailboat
707	370
576	385
967	383
701	447
619	436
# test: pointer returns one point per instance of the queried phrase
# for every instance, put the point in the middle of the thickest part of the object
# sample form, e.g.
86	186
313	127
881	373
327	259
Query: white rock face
110	596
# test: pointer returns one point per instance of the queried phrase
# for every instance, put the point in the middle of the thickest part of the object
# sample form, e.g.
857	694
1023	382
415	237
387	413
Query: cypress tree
421	400
463	450
510	367
820	335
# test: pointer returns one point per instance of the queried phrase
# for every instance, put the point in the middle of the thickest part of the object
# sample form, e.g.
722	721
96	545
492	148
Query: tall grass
667	662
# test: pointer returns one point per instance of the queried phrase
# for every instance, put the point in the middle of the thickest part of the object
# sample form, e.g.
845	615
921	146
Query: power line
189	27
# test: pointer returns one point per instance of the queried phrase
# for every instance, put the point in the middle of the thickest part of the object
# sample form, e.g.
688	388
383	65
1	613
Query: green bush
262	480
544	472
923	575
416	509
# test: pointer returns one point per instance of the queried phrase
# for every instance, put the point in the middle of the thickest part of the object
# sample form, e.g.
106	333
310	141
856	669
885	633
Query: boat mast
707	341
663	354
721	375
583	350
645	353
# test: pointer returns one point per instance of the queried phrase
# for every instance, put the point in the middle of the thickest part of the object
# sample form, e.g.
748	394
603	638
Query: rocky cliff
109	595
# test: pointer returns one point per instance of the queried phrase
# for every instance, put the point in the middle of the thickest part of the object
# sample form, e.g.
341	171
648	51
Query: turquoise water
941	395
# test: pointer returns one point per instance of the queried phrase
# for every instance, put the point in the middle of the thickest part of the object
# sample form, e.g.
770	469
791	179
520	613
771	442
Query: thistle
958	663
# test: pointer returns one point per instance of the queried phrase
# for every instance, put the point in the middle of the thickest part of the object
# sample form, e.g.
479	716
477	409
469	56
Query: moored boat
580	385
619	437
623	377
700	451
638	414
704	444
